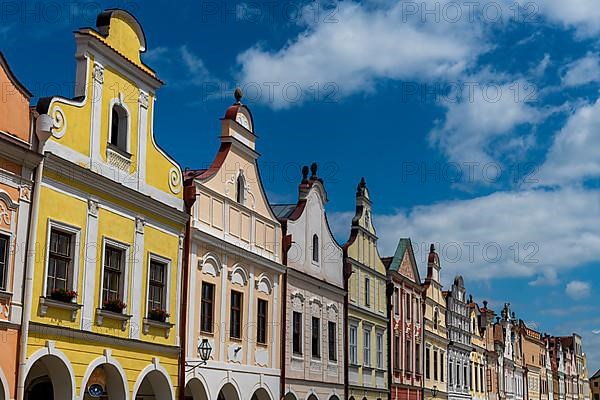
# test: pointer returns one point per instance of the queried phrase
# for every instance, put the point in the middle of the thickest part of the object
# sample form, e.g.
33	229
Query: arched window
118	128
240	189
315	248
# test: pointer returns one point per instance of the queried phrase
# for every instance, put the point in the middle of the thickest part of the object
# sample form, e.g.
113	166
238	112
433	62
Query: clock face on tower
242	120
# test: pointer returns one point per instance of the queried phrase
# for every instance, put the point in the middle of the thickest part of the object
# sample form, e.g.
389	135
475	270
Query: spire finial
238	94
313	170
304	174
432	248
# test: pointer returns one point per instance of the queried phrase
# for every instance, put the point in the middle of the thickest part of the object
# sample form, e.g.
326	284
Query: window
367	292
481	378
332	342
408	356
466	376
315	248
297	332
435	365
112	288
418	358
118	129
156	285
427	363
235	318
441	366
436	317
457	374
261	323
396	352
379	341
207	307
367	350
476	379
450	369
316	337
408	307
396	301
4	248
240	191
353	345
60	261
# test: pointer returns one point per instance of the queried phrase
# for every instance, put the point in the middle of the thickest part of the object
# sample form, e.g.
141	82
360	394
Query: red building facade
406	324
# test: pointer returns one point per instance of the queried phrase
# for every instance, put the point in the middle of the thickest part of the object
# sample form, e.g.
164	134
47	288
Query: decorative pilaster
137	297
96	116
90	262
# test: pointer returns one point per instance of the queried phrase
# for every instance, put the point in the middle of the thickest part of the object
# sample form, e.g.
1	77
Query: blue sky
474	124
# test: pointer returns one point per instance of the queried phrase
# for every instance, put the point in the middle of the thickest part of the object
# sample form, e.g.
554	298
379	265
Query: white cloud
503	235
573	156
583	71
578	289
581	15
157	54
487	112
364	44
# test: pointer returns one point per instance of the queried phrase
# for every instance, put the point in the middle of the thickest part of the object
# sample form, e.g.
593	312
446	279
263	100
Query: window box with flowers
158	318
113	309
60	299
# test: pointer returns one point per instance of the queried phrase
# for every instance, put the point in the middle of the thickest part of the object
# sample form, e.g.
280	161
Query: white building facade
314	297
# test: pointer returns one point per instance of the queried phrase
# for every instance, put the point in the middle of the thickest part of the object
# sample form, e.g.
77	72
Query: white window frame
9	264
126	266
367	281
367	347
167	262
118	101
76	232
353	351
379	349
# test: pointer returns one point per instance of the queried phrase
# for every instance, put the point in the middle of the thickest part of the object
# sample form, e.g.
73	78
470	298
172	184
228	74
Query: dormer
238	123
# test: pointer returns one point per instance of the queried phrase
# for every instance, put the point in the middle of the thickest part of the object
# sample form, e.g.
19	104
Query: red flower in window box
116	306
63	295
158	315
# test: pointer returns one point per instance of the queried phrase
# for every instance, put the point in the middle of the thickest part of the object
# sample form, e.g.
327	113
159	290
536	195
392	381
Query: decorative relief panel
234	353
263	284
262	357
315	306
297	299
238	276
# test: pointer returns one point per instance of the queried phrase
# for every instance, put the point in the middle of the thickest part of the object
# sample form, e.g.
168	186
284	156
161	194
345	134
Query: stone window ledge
46	302
150	323
101	314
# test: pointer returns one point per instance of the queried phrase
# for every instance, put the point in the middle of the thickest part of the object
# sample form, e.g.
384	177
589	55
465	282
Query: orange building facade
17	163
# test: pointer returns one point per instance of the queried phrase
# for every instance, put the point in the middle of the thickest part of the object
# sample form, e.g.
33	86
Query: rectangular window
332	342
408	307
379	340
427	363
396	352
442	366
157	285
316	337
353	345
4	249
457	374
261	321
297	332
207	310
408	359
112	288
235	318
396	301
367	292
481	381
60	261
435	365
418	358
450	369
476	379
466	376
367	346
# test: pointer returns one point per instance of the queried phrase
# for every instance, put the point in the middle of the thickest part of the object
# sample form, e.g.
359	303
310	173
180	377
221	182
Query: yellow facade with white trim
105	186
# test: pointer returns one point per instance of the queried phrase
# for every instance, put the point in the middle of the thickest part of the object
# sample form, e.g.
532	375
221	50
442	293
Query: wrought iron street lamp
434	391
204	349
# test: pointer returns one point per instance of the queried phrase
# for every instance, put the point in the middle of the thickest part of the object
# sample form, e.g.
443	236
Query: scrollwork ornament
175	180
99	73
59	123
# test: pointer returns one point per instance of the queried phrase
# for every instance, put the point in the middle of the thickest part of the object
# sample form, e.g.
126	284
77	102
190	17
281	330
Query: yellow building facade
367	320
478	359
107	233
